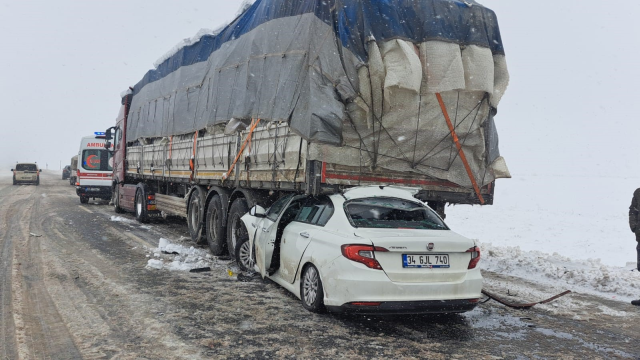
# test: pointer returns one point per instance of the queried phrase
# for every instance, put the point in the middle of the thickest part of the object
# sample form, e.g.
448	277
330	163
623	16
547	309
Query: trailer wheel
116	200
215	227
141	206
195	212
235	227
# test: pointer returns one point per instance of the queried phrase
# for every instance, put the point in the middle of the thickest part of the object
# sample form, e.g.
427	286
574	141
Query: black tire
116	200
243	255
141	206
195	214
216	229
84	200
311	291
235	226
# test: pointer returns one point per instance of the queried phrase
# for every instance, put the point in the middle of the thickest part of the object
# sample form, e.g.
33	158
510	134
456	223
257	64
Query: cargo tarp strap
460	151
193	157
170	146
169	162
254	124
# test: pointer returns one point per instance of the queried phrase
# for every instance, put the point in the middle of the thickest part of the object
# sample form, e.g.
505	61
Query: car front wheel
311	292
243	255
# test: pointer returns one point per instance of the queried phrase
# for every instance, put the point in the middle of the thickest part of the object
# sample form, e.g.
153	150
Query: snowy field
568	232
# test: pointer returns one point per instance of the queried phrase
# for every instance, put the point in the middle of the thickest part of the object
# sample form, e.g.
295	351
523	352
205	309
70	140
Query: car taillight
363	254
475	257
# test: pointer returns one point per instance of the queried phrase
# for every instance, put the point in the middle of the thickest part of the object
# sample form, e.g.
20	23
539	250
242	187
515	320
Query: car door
297	236
265	234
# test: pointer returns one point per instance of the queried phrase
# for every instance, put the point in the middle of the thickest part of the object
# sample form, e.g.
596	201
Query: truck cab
95	166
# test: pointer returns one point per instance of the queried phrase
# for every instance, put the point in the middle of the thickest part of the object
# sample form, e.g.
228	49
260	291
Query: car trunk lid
421	255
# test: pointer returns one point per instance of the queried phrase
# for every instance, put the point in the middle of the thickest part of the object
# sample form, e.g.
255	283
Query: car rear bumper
407	307
346	282
93	191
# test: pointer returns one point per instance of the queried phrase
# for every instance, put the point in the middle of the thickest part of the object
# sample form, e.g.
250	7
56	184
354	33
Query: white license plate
430	261
94	189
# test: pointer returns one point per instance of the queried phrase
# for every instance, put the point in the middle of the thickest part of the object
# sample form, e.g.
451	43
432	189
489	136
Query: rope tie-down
452	130
254	124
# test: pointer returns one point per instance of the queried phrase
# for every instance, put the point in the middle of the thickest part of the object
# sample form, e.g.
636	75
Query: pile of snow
175	257
246	4
121	219
584	276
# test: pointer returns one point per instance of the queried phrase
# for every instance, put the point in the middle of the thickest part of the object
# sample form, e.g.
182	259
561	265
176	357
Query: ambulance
95	167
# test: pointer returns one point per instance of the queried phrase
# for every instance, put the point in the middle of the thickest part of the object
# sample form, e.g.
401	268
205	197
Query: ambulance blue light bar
100	133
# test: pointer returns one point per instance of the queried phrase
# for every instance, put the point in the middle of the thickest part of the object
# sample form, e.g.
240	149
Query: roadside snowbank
560	272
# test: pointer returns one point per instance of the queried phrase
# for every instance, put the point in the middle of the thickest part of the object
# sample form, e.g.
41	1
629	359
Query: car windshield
392	213
26	167
96	160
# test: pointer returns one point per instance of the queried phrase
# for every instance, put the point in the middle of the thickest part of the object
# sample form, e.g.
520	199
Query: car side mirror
107	134
107	145
258	211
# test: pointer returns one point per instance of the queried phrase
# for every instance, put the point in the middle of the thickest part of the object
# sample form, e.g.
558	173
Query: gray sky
569	109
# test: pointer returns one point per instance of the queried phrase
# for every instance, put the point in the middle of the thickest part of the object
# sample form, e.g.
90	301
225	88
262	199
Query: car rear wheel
235	228
243	255
84	200
215	227
141	206
311	292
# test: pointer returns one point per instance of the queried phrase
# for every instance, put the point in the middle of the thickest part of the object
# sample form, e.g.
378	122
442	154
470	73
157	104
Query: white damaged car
371	249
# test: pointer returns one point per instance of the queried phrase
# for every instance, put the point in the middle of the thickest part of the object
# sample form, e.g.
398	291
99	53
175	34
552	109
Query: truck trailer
314	96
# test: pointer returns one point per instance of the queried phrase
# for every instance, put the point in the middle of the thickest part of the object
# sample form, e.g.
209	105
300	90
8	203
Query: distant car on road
66	172
371	249
74	171
26	173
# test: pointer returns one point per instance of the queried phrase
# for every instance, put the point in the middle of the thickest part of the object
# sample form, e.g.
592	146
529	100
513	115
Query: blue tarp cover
354	21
